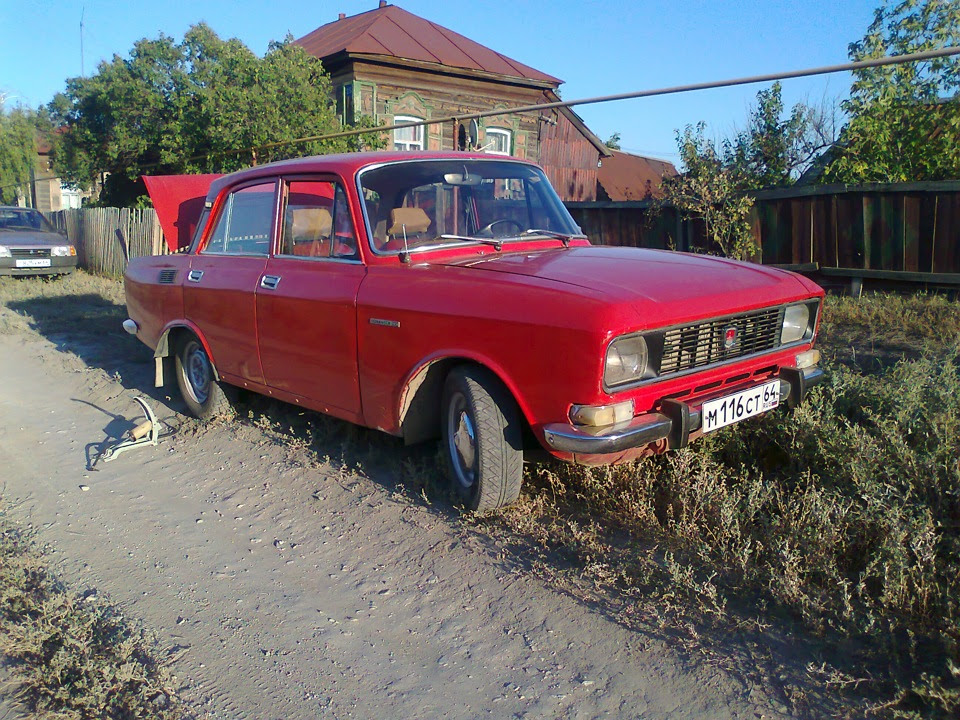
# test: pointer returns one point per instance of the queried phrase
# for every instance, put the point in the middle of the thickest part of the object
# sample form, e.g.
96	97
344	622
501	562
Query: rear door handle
270	282
195	275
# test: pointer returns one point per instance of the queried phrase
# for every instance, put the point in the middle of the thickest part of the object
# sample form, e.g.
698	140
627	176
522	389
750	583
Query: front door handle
195	275
270	282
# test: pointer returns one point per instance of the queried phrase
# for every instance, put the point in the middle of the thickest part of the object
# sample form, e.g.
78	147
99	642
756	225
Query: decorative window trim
418	132
500	132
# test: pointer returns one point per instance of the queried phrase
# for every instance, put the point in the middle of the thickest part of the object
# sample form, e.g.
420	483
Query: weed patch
842	517
73	657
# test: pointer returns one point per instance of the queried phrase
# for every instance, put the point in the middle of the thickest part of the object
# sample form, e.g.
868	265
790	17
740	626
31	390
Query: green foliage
774	150
904	119
613	142
18	151
709	190
174	108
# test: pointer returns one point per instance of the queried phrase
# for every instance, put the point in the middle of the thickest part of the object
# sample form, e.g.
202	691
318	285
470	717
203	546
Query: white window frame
400	143
501	132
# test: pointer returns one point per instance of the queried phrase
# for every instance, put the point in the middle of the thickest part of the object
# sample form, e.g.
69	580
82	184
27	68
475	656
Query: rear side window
316	221
245	224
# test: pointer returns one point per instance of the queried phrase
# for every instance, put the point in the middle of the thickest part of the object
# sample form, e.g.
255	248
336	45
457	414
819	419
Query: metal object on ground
146	433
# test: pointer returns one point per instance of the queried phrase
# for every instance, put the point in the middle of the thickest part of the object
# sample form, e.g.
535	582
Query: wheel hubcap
463	443
198	372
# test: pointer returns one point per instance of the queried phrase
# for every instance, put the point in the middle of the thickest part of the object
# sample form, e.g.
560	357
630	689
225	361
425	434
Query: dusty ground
284	590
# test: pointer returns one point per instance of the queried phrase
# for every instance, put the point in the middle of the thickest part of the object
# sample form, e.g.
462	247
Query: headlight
4	251
626	360
796	322
63	251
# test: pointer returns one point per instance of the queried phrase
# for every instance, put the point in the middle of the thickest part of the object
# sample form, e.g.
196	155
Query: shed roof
624	176
393	32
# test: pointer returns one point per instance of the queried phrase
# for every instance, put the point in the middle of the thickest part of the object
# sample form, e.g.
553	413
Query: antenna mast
83	9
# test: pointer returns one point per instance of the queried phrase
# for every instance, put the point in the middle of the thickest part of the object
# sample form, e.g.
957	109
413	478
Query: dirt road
285	591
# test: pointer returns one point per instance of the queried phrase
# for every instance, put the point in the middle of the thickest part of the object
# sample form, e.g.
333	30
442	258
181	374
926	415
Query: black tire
482	439
203	395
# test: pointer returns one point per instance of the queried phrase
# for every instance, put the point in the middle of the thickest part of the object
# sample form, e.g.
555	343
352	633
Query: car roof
346	164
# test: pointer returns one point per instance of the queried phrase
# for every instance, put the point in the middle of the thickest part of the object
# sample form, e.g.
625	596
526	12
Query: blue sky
597	48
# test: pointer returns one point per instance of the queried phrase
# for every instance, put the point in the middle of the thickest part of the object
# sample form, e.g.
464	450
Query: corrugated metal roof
394	32
633	177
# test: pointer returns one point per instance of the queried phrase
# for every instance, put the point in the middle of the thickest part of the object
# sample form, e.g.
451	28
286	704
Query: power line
825	70
749	80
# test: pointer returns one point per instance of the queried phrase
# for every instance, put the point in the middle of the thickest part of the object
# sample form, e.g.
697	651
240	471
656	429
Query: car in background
452	296
30	245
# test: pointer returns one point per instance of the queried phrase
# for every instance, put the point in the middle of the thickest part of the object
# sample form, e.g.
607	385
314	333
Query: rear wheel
202	393
482	439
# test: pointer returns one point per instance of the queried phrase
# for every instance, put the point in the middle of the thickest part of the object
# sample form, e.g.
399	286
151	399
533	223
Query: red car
451	295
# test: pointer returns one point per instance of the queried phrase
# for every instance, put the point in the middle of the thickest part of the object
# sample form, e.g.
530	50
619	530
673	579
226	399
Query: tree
904	120
774	150
710	190
613	142
202	105
19	128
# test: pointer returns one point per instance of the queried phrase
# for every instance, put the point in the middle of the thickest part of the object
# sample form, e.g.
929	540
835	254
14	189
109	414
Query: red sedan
451	295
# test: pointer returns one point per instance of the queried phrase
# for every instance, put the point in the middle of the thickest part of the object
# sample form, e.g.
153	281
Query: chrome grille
167	276
701	344
30	252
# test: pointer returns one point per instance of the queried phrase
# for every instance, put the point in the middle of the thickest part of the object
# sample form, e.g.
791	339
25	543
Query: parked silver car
30	245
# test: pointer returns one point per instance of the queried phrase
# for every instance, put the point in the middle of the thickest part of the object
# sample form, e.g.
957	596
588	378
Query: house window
410	138
498	141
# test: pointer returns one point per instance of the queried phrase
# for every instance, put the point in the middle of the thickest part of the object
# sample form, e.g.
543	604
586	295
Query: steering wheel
488	229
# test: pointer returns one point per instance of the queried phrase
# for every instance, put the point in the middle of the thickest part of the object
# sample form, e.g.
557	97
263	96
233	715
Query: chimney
383	3
342	16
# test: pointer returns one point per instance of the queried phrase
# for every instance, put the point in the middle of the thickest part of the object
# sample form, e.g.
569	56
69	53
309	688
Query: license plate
33	262
740	406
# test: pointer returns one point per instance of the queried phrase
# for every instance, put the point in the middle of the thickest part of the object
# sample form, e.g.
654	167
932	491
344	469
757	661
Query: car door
307	298
219	293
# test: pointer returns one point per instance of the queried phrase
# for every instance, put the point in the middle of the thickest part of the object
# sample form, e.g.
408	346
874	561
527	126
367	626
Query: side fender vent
167	276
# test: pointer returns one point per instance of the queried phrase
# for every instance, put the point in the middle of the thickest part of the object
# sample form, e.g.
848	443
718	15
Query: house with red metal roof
397	67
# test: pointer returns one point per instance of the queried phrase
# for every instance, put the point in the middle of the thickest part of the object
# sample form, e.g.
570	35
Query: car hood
31	238
663	286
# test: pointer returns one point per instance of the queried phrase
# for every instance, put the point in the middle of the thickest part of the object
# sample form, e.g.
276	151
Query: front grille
167	276
701	344
30	252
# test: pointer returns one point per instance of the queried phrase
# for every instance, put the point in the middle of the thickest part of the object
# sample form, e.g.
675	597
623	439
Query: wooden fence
97	233
903	231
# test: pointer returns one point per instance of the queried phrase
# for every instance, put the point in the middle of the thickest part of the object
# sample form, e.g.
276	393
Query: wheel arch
419	409
170	339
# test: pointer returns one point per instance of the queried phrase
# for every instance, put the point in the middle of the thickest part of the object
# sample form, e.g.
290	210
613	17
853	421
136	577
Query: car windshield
23	220
434	203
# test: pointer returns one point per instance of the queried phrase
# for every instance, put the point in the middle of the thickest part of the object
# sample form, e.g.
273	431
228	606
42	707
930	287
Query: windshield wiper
565	238
404	254
496	242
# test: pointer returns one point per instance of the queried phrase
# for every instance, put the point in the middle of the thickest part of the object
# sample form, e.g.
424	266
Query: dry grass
73	657
842	517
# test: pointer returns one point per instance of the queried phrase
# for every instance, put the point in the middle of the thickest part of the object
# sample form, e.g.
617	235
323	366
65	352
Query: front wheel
201	392
482	439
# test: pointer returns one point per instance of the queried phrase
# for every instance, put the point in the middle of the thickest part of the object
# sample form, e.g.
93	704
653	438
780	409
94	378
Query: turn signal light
601	415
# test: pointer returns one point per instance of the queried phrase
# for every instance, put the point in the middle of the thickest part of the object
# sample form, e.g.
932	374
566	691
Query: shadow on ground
90	327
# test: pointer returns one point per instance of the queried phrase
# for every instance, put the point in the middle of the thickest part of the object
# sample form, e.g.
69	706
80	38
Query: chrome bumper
675	421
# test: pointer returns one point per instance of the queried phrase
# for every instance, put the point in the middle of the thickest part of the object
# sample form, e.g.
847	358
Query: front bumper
675	422
58	266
